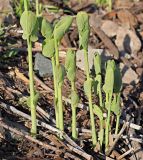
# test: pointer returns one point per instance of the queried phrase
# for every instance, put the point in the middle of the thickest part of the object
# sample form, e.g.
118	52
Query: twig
25	135
44	125
125	154
116	140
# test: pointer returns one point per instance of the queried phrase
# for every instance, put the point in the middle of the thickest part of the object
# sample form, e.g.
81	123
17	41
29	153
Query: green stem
100	98
56	92
108	122
37	8
117	124
25	5
74	132
93	130
101	132
56	53
32	92
110	4
60	103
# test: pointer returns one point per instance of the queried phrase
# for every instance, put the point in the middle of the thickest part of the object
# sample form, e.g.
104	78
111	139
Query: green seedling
98	111
70	65
84	30
61	27
105	2
48	50
98	78
116	101
29	25
108	89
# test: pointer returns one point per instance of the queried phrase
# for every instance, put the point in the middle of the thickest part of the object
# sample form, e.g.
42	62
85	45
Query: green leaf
46	28
109	77
70	65
117	80
62	27
88	87
115	106
97	64
97	110
60	73
48	48
71	74
82	20
74	98
29	25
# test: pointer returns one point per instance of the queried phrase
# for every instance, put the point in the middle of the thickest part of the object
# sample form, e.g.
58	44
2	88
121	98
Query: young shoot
84	30
61	27
70	65
115	108
108	89
29	25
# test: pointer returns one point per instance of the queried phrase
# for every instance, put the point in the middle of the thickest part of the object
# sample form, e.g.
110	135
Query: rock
127	19
43	65
127	41
110	28
5	10
129	76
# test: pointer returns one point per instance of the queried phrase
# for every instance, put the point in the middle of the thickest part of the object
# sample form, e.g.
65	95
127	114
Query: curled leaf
62	27
60	73
74	98
88	87
82	20
48	48
29	25
115	106
97	63
46	29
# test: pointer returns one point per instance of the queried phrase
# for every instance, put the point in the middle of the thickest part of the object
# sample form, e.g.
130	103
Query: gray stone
43	65
129	76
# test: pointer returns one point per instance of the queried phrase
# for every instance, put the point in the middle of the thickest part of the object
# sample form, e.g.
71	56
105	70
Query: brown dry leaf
127	19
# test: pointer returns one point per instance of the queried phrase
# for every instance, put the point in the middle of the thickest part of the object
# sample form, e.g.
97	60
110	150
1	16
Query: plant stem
74	132
37	8
56	92
60	103
117	124
59	88
93	130
108	122
32	93
25	5
86	64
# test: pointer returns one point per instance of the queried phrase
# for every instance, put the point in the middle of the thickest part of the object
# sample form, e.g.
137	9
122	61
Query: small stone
129	76
110	28
43	65
127	41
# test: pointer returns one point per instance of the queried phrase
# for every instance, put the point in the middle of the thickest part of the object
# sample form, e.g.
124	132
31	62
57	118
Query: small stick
25	135
116	140
125	154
